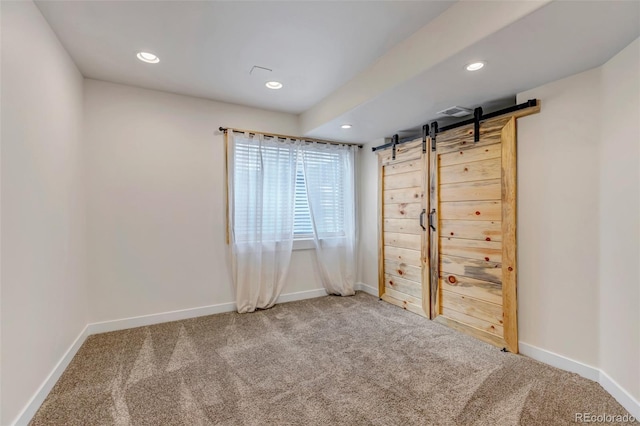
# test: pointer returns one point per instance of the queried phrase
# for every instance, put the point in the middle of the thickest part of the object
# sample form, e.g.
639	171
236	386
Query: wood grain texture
478	333
472	229
481	190
476	308
472	268
483	290
471	210
490	131
403	211
463	262
401	203
491	251
402	226
462	138
477	223
426	271
409	287
472	321
509	254
406	298
404	195
403	180
403	166
403	304
468	172
409	241
471	154
409	257
434	234
402	270
404	152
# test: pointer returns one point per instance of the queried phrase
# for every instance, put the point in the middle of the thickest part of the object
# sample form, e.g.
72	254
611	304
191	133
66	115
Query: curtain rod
295	138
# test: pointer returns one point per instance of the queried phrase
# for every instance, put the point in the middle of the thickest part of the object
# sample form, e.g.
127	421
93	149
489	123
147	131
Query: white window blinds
279	161
326	168
263	175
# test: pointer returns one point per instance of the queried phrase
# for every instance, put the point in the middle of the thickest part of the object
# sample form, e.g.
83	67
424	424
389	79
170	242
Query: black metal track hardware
477	116
394	142
433	133
425	131
529	104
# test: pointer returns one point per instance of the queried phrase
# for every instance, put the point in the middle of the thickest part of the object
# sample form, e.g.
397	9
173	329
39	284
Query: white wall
43	307
558	151
620	219
156	204
579	219
368	214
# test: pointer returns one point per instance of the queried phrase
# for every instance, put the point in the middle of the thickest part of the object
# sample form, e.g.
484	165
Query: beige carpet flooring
332	360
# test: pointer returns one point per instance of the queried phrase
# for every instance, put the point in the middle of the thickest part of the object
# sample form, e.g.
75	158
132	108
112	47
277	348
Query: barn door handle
431	219
422	219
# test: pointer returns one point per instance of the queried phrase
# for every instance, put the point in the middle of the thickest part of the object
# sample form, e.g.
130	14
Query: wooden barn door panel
458	266
473	247
402	256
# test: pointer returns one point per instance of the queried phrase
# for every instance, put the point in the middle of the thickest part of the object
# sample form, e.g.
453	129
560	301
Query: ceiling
557	40
207	49
385	67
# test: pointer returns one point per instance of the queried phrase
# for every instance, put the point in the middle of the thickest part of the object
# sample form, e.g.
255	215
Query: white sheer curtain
262	175
329	172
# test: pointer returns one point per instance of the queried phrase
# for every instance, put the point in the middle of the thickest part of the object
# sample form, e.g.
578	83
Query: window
263	174
276	182
302	226
325	172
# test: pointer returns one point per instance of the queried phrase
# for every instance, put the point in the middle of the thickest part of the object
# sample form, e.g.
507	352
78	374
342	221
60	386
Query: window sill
306	244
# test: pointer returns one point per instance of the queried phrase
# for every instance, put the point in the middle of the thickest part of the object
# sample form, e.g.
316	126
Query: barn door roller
477	116
394	142
432	133
425	131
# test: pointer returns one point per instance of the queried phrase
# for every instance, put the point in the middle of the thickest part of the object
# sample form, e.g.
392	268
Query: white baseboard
144	320
38	398
592	373
301	295
367	289
559	361
620	394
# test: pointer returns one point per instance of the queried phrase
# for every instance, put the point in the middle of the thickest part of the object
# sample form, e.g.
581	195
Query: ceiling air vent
456	111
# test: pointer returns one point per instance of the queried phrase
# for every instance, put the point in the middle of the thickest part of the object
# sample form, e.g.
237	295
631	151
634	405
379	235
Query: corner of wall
619	189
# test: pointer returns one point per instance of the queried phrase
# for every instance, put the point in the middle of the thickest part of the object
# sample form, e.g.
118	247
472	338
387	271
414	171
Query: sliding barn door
403	269
473	246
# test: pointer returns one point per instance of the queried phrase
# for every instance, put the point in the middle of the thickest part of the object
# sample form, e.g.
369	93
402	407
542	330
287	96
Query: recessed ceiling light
273	85
346	126
148	57
475	66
